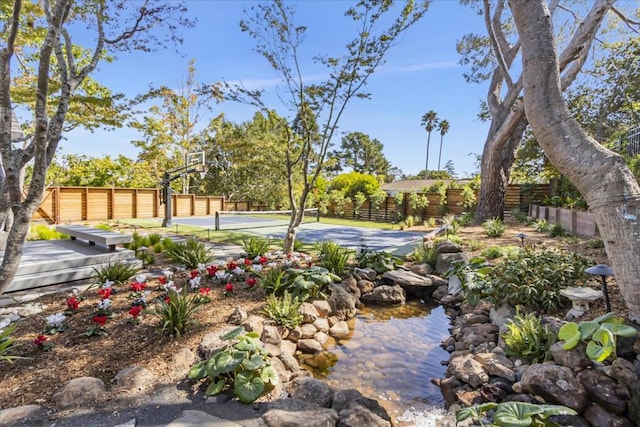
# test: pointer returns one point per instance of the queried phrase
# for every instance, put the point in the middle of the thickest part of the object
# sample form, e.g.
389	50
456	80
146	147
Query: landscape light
522	236
603	271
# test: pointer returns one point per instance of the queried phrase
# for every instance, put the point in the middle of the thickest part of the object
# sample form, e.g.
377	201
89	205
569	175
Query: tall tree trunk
599	174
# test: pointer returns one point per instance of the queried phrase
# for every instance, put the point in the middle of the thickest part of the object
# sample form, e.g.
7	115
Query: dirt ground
36	378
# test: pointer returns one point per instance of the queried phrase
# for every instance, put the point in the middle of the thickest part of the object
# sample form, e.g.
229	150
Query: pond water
392	356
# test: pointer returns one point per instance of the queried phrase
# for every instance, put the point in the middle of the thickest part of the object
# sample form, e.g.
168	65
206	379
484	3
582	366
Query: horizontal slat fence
578	223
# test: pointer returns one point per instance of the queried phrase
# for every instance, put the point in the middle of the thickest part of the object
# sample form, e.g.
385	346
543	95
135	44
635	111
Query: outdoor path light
602	271
522	236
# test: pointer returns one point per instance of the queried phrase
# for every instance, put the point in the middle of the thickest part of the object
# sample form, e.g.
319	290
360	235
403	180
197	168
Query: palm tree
443	127
429	121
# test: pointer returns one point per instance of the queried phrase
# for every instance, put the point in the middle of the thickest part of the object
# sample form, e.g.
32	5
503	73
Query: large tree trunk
599	174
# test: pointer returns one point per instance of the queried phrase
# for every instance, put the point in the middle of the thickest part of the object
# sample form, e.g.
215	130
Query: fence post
574	222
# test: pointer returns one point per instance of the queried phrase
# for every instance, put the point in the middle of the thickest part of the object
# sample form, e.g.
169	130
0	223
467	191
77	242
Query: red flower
135	311
263	259
212	270
204	291
39	341
167	300
104	293
194	274
100	320
73	303
231	266
162	280
137	286
251	281
247	261
228	287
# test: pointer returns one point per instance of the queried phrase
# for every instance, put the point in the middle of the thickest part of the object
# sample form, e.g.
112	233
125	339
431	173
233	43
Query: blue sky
421	73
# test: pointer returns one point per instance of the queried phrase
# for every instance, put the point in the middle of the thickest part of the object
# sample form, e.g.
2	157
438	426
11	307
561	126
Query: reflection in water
391	356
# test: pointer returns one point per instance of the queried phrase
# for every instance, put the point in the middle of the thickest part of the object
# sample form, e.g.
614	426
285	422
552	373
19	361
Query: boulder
365	286
297	413
309	312
307	330
311	390
385	295
440	292
421	269
343	304
412	283
500	315
496	365
254	324
447	246
80	391
270	335
238	316
321	324
340	330
366	273
467	370
289	362
309	346
624	371
555	384
10	416
342	399
295	334
598	416
323	307
182	361
602	390
575	359
357	415
212	342
445	260
134	378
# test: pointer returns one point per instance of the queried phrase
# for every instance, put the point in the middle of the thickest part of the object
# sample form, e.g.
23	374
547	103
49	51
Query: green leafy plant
526	337
176	311
309	282
380	261
452	223
334	257
158	247
273	281
424	254
410	221
558	230
254	246
473	245
595	244
154	239
283	310
119	273
430	222
189	253
494	227
242	366
492	252
465	219
105	227
44	232
5	344
599	334
541	225
513	414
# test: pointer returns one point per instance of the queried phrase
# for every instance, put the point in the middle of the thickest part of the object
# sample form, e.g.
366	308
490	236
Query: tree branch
494	43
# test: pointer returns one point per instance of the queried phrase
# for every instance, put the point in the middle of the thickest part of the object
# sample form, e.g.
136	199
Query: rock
212	342
623	371
351	283
447	246
307	330
454	286
295	334
477	334
597	416
310	416
321	324
445	260
238	316
569	420
483	307
365	286
10	416
309	346
448	387
333	320
289	362
496	366
30	309
602	390
575	359
321	337
421	269
309	312
357	415
270	335
437	281
412	283
273	350
473	318
467	370
500	315
343	304
311	390
288	347
254	324
323	307
450	299
440	292
385	295
342	399
79	391
200	418
340	330
555	384
283	373
134	378
502	384
182	361
366	273
469	397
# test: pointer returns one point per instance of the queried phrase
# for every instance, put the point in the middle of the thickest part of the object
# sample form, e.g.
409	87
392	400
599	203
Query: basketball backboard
195	162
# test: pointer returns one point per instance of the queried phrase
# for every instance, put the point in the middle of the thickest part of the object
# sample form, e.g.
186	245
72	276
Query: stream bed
392	356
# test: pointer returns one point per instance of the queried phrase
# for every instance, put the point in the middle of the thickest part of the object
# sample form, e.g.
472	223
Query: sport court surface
396	242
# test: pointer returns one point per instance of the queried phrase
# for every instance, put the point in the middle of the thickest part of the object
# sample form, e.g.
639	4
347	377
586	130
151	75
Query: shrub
410	221
465	219
449	237
494	227
430	223
254	246
451	222
379	261
424	254
176	311
154	239
541	225
44	232
242	365
474	245
509	414
158	247
492	253
283	310
532	277
526	337
119	273
274	281
105	227
558	230
333	257
595	244
189	253
297	245
309	282
5	344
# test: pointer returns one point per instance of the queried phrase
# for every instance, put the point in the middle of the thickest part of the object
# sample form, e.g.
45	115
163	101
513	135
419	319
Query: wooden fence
518	197
578	223
72	204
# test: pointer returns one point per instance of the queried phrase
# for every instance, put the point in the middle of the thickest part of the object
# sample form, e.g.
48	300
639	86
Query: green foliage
154	239
558	230
309	282
273	281
380	261
526	337
531	277
469	201
176	313
409	221
377	198
418	201
599	334
283	310
492	253
513	414
120	273
189	253
473	245
242	365
521	217
6	342
465	219
450	237
424	254
430	222
254	246
541	225
44	232
452	223
358	201
595	244
158	247
333	257
353	183
105	227
339	200
494	227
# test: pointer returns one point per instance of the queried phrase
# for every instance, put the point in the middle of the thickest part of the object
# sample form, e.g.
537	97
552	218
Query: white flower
141	278
221	275
201	268
272	265
55	320
169	286
241	261
286	262
257	268
144	296
238	271
104	304
167	273
220	263
194	282
107	284
256	260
